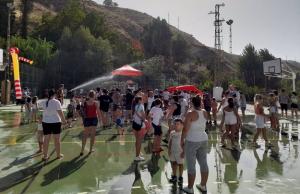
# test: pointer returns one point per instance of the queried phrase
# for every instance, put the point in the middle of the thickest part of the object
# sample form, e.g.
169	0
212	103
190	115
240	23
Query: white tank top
230	118
197	132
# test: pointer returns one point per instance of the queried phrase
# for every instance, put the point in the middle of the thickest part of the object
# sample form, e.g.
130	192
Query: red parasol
127	70
172	89
190	88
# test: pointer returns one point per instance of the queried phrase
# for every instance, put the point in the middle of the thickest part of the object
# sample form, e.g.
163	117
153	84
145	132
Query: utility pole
7	85
218	45
9	6
230	22
218	25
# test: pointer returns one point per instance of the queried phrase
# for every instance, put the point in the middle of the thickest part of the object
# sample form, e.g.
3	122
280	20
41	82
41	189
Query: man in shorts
283	100
105	101
207	105
128	105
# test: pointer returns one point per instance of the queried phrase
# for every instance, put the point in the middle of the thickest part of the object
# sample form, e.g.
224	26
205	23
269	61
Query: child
28	110
214	107
119	119
294	105
70	112
40	135
78	105
260	118
273	112
74	104
175	152
156	113
34	108
243	103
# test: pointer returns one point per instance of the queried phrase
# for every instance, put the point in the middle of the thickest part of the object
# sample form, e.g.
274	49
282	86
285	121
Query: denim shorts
157	130
90	122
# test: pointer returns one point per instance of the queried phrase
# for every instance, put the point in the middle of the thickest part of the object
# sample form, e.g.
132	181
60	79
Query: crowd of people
144	112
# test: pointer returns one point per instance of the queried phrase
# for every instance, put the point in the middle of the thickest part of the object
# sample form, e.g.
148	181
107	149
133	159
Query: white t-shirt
150	101
138	110
186	96
166	95
50	114
157	114
184	106
176	139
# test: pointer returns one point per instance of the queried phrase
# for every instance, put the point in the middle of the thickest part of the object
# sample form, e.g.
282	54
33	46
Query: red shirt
91	110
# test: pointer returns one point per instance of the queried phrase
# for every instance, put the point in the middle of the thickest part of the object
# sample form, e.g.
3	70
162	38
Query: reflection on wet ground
110	169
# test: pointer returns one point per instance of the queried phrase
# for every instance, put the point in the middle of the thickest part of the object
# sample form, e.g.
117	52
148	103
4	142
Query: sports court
110	169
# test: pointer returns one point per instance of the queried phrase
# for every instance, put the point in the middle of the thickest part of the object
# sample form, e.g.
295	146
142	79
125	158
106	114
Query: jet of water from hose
94	81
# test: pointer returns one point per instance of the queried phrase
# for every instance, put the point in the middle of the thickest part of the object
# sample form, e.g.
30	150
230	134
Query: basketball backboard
273	67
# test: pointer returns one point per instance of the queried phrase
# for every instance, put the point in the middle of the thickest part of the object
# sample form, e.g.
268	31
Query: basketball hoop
273	68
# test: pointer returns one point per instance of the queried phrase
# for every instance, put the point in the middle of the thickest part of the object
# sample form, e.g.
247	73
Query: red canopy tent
127	70
190	88
172	89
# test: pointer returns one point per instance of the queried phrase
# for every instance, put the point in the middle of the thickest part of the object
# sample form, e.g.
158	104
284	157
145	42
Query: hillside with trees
72	41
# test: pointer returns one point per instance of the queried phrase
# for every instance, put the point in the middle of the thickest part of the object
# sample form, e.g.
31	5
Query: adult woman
224	102
52	118
138	125
173	112
232	122
194	140
91	115
260	118
294	105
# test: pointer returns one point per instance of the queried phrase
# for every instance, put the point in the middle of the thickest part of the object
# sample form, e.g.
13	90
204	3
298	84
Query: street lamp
230	22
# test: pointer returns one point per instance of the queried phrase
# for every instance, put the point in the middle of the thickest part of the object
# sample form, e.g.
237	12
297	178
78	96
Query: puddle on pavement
110	169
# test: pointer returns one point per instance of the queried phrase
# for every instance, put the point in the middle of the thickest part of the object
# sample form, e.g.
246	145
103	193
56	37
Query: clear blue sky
272	24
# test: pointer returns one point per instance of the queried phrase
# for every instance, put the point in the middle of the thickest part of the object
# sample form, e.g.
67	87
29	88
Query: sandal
60	156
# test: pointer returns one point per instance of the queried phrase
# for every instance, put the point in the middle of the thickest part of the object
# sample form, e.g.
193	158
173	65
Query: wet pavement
110	169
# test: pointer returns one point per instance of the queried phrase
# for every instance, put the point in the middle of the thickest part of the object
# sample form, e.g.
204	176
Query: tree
110	3
71	16
95	23
250	67
26	8
157	38
40	51
80	52
179	49
4	19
